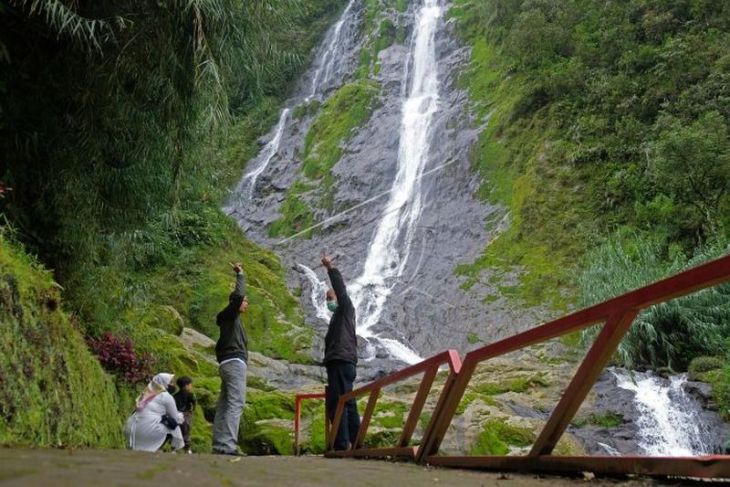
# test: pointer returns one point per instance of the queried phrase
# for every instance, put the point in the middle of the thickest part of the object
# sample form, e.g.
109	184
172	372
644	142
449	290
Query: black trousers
340	376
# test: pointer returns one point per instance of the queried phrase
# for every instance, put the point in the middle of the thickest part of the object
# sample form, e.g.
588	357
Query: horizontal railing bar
319	395
717	466
681	284
449	357
405	452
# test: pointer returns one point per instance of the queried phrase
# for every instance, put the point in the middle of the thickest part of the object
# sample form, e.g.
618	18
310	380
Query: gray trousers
230	406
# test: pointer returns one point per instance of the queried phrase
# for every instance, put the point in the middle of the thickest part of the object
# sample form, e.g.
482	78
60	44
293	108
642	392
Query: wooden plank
717	466
593	364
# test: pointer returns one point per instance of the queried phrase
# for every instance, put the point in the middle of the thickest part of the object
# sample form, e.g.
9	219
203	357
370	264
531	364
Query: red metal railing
617	314
298	416
429	368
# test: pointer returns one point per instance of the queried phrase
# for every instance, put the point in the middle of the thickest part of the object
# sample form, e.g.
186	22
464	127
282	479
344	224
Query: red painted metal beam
428	368
405	453
418	402
298	413
367	415
702	467
700	277
593	364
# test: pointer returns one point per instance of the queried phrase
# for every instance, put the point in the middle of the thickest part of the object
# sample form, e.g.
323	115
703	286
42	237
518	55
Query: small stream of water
669	422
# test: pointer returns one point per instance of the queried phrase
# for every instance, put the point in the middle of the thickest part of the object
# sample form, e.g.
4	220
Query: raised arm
240	281
338	283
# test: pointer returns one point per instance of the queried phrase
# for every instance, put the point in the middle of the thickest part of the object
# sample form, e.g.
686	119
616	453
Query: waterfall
249	179
669	422
328	62
331	54
390	245
317	295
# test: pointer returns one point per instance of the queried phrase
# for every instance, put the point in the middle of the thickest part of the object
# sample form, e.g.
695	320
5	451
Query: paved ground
49	468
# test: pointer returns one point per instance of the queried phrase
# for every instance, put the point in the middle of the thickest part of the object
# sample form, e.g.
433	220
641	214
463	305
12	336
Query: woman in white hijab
145	430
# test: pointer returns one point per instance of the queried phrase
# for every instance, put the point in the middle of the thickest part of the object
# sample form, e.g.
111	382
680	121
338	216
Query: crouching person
155	418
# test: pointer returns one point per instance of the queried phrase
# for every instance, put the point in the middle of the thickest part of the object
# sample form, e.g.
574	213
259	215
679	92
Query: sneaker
189	451
230	453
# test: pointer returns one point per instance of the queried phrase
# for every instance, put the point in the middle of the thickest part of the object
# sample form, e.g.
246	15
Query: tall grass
669	334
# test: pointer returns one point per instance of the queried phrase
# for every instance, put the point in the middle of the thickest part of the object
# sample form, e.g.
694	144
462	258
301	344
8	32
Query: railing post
417	407
444	411
593	364
367	415
297	415
335	425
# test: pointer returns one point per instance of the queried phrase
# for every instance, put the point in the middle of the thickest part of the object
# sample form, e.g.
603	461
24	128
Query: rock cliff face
425	309
328	179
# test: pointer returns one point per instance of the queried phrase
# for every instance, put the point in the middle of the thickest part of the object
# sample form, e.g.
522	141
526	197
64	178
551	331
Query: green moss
306	109
52	390
386	35
521	170
313	441
382	439
700	365
389	414
519	384
720	381
497	436
349	107
296	215
473	338
608	419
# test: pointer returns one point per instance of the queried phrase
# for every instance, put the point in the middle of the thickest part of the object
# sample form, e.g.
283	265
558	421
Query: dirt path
124	468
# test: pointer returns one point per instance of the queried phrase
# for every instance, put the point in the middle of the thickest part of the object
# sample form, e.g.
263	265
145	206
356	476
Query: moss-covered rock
52	390
348	108
498	436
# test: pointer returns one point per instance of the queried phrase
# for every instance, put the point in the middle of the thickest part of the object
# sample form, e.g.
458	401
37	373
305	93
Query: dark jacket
185	401
233	342
341	341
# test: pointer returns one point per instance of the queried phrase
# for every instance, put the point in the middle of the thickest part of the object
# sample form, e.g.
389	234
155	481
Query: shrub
705	364
667	334
117	356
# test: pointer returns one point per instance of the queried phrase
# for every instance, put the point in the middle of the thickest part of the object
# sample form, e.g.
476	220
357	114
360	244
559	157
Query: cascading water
328	62
332	54
669	422
249	179
390	245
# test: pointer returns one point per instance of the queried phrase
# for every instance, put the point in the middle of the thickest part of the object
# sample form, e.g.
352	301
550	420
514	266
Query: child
185	402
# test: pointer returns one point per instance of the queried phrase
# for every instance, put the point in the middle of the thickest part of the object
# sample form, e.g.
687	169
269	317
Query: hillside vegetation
607	139
122	127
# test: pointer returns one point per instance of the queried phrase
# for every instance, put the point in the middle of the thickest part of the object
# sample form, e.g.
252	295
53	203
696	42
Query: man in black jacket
340	357
231	350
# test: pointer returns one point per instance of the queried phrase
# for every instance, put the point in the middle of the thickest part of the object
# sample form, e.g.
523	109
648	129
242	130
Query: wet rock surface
625	437
427	309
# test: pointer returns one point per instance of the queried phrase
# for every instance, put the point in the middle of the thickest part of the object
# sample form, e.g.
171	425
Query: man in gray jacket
231	350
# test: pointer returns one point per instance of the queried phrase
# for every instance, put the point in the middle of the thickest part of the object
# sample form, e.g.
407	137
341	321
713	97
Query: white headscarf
157	385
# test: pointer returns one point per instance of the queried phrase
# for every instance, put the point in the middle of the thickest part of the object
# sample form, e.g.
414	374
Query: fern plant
669	334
